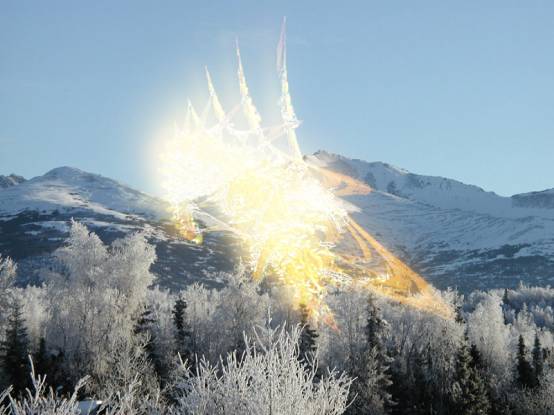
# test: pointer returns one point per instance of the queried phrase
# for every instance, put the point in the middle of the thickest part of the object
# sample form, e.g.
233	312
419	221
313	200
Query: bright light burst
285	210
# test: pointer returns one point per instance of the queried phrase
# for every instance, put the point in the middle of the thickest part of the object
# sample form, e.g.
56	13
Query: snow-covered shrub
268	378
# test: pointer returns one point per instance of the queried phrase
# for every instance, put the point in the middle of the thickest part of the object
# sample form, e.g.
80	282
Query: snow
88	407
67	189
435	191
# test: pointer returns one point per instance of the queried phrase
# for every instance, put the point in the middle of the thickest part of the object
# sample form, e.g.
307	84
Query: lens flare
286	211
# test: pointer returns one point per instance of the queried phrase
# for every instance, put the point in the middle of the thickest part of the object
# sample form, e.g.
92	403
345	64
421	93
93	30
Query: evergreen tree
375	326
476	360
144	327
15	350
308	339
371	369
423	397
525	375
471	398
538	360
505	298
40	359
183	335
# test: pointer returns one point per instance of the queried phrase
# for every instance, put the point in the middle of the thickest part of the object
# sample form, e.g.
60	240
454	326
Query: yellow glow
286	212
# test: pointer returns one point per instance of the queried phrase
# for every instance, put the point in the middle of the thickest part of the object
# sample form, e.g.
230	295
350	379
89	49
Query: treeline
97	329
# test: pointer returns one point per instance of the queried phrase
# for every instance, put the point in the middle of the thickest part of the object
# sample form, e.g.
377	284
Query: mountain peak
543	199
436	191
69	188
11	180
71	173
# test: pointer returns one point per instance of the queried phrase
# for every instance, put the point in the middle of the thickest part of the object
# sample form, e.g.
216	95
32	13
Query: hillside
454	234
35	216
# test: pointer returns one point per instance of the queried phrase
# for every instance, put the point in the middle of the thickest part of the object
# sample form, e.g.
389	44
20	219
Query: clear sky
462	89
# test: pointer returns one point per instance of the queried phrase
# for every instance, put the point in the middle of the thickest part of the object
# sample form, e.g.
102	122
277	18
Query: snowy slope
67	188
35	217
453	233
438	191
543	200
11	180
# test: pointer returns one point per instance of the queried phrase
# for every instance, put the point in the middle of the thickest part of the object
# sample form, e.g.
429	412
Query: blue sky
458	89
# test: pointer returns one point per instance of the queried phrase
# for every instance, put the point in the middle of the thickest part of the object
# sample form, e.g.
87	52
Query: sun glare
286	211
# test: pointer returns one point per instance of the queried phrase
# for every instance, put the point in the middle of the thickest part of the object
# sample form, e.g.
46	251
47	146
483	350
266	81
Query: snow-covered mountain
11	180
451	232
67	188
454	234
543	200
438	191
35	217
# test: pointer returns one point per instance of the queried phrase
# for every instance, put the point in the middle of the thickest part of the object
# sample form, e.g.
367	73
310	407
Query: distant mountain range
454	234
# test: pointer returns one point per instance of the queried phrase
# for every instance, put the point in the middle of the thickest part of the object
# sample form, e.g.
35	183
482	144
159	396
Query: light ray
285	211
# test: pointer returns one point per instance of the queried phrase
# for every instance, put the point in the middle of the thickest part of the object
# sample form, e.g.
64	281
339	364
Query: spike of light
292	225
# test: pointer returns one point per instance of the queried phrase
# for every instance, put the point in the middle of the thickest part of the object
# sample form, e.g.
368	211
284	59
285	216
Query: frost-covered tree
487	330
241	307
203	305
130	386
268	379
537	401
94	296
370	390
8	271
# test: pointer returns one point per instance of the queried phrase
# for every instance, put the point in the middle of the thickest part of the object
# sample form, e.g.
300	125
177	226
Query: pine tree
371	369
40	359
308	339
472	396
422	399
183	335
505	298
538	360
374	327
15	350
476	359
524	369
144	327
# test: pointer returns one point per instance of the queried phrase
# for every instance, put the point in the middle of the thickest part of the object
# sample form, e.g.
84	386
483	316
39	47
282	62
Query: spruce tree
183	335
144	328
538	360
524	369
15	350
375	326
505	298
371	368
472	396
40	359
476	359
308	339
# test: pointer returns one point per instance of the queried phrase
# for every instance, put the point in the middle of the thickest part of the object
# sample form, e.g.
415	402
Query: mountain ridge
451	233
437	191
